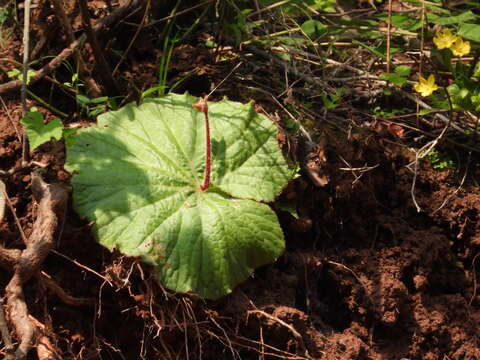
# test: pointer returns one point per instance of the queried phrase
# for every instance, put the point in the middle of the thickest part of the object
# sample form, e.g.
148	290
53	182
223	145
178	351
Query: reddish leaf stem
202	106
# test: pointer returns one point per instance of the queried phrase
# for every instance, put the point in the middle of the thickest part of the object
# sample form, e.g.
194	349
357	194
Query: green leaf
450	20
369	48
69	136
287	206
314	28
476	71
152	90
82	99
39	133
403	70
403	21
137	175
469	31
15	73
393	78
423	112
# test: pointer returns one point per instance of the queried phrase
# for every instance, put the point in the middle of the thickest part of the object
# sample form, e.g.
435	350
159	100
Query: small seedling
17	74
37	131
40	133
330	101
439	161
95	106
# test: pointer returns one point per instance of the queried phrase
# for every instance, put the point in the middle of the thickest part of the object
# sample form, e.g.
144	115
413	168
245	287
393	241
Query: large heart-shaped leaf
137	174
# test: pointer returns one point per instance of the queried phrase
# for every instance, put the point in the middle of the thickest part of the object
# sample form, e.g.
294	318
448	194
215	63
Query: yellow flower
444	38
426	87
460	47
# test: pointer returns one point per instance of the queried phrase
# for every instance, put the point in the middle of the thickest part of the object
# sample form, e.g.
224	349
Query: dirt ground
365	275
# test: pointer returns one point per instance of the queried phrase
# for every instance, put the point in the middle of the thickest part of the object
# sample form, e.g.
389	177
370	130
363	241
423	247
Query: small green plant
330	101
168	46
39	133
381	112
95	106
440	161
74	83
154	187
17	74
399	76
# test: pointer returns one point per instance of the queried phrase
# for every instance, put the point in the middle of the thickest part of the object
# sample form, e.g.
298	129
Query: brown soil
365	276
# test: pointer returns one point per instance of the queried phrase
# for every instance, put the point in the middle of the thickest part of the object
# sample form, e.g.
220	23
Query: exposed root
52	202
45	349
7	339
66	298
294	332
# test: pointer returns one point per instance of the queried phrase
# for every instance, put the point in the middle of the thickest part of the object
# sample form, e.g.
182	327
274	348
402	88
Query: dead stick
47	69
105	72
23	90
94	89
66	298
67	52
137	32
294	331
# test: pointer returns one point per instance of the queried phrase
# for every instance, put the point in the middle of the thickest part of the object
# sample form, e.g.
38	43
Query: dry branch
103	23
105	72
62	16
23	90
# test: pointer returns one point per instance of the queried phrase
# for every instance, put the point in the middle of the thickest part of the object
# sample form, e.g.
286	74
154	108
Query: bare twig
447	199
269	7
83	267
21	167
66	298
94	89
23	91
290	69
294	332
104	68
3	200
301	128
420	154
178	13
137	32
67	52
47	69
389	35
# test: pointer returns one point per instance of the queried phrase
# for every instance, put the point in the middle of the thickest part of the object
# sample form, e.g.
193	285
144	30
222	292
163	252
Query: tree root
52	203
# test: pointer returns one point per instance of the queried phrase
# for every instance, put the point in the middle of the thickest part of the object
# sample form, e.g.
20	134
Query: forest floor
365	275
